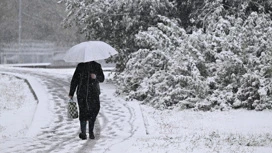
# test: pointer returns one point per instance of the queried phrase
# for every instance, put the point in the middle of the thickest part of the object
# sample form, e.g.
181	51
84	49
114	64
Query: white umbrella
89	51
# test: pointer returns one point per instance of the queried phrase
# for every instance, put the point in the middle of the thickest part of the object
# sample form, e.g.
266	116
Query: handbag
72	111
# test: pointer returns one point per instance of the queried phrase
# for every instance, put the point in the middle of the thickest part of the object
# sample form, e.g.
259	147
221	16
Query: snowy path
117	121
122	126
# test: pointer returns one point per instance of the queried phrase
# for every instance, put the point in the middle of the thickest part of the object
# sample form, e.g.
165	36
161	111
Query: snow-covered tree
116	22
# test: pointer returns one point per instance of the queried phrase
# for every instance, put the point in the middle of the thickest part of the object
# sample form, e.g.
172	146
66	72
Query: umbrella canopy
89	51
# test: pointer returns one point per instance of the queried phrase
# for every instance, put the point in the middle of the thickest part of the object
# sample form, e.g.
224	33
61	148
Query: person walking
85	82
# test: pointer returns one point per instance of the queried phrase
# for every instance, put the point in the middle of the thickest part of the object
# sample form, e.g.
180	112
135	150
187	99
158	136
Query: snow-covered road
117	121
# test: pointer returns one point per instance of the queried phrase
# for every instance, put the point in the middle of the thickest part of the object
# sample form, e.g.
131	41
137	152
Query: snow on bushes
162	73
227	66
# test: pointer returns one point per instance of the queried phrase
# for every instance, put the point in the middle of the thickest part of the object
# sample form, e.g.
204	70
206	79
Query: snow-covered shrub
163	73
221	68
241	60
226	65
256	48
248	92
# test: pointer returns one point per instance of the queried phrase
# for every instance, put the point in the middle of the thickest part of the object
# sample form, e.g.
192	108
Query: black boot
83	136
91	135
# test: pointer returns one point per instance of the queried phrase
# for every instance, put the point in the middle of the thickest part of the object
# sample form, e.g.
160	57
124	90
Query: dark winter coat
87	89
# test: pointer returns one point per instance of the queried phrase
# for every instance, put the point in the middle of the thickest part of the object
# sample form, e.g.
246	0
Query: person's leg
82	118
83	135
83	126
91	127
94	114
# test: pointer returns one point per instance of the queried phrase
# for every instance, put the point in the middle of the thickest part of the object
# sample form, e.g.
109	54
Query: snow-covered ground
30	125
17	107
